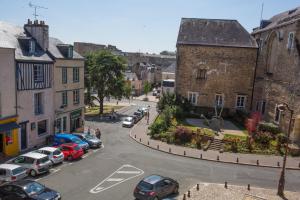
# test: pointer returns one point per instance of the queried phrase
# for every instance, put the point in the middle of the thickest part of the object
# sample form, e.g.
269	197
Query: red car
71	151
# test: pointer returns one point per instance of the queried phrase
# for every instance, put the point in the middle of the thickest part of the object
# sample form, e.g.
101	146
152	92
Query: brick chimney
39	31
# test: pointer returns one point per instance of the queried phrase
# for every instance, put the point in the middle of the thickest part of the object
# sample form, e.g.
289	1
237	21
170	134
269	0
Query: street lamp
280	191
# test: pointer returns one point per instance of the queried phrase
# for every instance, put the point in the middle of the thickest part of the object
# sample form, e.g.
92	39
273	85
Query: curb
207	159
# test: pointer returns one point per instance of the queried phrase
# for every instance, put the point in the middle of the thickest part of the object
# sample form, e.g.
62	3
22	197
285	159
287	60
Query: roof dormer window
31	46
70	52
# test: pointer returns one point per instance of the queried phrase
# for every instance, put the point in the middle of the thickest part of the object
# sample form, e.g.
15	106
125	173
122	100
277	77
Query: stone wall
278	72
229	71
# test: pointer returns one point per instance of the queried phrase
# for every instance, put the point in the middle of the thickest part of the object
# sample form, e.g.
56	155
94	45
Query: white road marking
124	173
54	170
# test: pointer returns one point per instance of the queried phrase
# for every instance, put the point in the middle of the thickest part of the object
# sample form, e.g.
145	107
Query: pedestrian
89	131
98	133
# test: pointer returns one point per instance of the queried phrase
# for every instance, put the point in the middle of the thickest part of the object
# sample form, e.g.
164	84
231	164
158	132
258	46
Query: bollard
148	143
226	184
197	187
189	194
157	146
218	158
140	139
184	153
278	164
184	198
134	136
248	186
257	162
237	160
169	150
201	156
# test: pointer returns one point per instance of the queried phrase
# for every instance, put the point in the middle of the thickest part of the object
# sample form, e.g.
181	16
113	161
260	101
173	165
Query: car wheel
70	158
33	173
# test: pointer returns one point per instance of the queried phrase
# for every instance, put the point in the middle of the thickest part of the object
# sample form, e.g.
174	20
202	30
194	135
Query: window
192	96
277	114
64	96
261	106
64	75
70	52
38	104
58	125
64	124
76	96
76	74
241	101
42	127
31	46
201	74
219	100
38	73
290	43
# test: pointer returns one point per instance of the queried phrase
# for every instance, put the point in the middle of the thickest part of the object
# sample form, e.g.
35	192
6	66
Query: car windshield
33	188
145	186
18	170
44	152
42	160
89	137
77	148
128	120
77	140
56	152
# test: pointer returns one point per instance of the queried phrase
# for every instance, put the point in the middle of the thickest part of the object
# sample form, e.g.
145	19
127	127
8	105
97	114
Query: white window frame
237	101
290	41
217	99
64	96
38	73
76	96
64	73
38	106
31	46
193	95
70	52
279	115
76	71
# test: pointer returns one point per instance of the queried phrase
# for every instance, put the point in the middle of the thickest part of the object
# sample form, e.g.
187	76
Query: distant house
169	72
135	83
215	64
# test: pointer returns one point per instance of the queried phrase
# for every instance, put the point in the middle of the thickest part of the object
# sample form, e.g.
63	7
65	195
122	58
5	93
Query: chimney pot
29	22
36	22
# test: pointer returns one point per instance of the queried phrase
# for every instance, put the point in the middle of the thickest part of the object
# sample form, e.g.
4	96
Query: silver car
54	154
35	163
11	172
128	122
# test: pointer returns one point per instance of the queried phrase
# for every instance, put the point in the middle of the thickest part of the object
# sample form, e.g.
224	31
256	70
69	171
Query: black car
135	118
155	187
27	189
138	114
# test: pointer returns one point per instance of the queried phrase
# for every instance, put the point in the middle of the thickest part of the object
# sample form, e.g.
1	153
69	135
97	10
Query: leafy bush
268	127
182	135
263	138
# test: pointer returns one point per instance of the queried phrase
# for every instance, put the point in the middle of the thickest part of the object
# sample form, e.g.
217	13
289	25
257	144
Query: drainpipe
254	77
16	82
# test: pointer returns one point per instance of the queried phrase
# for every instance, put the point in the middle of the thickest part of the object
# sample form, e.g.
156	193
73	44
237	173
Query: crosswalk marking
124	173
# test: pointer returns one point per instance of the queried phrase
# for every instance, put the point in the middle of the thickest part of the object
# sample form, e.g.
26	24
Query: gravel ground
209	191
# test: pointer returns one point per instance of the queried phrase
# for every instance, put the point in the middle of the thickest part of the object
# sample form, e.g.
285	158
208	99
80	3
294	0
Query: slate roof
280	19
171	68
9	35
56	53
214	32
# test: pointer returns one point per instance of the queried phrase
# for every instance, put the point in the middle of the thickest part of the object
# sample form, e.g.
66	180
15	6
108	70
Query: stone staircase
216	145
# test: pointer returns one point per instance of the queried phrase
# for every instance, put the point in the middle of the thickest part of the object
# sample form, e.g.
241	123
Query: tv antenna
35	8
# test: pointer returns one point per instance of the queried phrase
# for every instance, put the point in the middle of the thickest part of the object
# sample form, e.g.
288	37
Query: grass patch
92	111
231	136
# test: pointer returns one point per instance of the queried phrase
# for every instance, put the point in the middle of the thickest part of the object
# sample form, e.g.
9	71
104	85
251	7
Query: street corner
124	173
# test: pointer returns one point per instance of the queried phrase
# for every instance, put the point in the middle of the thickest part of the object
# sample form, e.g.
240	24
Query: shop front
9	142
76	120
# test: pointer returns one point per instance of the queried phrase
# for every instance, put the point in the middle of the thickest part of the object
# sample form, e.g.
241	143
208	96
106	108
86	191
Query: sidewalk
208	191
139	134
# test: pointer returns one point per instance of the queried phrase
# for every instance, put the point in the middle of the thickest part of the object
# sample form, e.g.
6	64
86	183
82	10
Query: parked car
135	118
54	154
92	140
62	138
11	172
138	114
155	187
71	151
27	189
128	122
35	163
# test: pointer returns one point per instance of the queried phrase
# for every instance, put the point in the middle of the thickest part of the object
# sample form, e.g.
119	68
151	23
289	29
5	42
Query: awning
8	126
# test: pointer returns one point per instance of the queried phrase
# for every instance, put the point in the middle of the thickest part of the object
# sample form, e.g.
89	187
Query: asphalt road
112	173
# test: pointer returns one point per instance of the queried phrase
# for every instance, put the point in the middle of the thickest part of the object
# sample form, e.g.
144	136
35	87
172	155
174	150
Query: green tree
147	88
127	90
106	75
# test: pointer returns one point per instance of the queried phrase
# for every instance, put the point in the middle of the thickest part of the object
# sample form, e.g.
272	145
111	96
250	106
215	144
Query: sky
135	25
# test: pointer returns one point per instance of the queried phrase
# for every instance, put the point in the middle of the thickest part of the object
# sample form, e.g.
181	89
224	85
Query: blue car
61	138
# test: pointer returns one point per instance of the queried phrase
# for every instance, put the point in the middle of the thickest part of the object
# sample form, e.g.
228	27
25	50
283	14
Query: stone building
84	48
215	64
68	86
9	129
278	68
135	83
